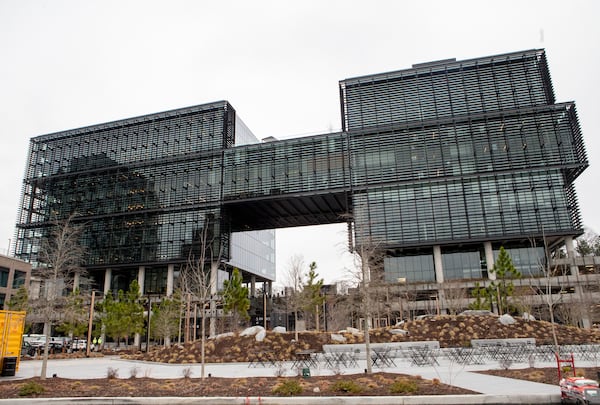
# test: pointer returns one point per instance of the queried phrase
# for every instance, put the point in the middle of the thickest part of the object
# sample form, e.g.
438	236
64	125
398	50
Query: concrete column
107	285
107	280
170	279
489	259
570	246
437	264
253	286
571	255
141	278
214	281
76	281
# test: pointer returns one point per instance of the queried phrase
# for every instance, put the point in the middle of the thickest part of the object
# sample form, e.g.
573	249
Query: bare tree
61	256
340	307
293	280
454	297
547	274
526	296
198	279
369	264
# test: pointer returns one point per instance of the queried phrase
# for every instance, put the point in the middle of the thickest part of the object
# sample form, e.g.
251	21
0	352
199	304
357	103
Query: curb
355	400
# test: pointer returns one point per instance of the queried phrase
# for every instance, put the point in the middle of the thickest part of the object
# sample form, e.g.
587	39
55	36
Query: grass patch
347	386
31	388
404	386
287	388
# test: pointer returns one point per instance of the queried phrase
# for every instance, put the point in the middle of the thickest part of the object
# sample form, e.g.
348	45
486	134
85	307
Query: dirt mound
450	331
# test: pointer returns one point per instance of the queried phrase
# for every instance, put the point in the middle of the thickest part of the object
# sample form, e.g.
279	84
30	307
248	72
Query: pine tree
235	298
76	315
165	318
133	311
312	293
19	300
124	316
503	287
482	297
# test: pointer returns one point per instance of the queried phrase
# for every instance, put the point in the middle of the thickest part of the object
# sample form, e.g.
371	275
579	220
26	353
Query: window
19	279
4	277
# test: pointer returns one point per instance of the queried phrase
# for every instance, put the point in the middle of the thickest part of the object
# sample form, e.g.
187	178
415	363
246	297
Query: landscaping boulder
506	319
222	335
260	336
335	337
528	317
251	331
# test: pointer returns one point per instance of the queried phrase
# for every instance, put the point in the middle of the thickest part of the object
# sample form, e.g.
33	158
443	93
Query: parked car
27	349
80	344
579	390
35	341
58	344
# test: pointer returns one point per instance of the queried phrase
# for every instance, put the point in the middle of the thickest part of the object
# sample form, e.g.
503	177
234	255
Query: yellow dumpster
11	339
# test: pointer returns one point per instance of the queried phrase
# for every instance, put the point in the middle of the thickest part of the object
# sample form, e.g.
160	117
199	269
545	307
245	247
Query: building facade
452	159
14	274
440	165
147	189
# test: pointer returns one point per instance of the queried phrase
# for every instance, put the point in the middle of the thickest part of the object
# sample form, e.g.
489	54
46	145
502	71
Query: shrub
187	372
133	372
403	386
30	388
280	370
112	373
287	388
348	386
505	363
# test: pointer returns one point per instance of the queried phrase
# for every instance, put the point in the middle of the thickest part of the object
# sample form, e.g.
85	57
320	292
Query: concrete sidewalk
498	390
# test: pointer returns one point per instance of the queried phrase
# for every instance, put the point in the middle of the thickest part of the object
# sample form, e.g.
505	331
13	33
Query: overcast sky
68	64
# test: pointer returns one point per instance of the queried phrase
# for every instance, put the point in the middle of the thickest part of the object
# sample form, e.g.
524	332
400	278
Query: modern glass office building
440	164
452	159
146	189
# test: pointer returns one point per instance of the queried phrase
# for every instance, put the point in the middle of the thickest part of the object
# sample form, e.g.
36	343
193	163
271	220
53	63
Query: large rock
506	319
335	337
251	331
279	329
222	335
260	336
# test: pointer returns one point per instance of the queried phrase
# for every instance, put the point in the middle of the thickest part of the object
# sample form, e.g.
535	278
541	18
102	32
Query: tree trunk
367	312
45	355
296	325
203	340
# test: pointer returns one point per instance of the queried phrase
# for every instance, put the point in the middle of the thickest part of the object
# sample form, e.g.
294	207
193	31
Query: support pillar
437	264
76	281
137	340
574	269
253	286
170	279
439	277
107	280
214	281
107	288
141	279
570	246
489	259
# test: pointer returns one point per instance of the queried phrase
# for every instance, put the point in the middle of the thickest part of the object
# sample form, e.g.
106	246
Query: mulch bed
370	385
